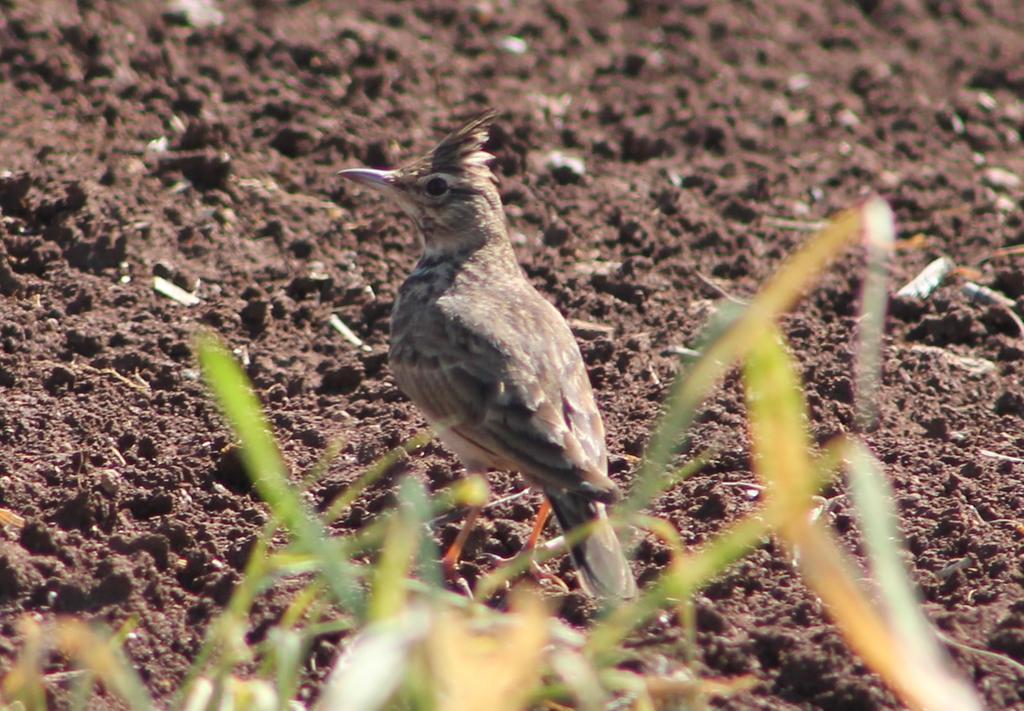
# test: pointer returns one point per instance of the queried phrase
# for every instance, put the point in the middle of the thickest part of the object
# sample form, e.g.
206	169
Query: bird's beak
377	179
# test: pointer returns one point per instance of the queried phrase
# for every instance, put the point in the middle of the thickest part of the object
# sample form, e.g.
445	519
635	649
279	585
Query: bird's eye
436	187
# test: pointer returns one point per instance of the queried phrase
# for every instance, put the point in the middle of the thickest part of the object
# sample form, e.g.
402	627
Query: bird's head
450	193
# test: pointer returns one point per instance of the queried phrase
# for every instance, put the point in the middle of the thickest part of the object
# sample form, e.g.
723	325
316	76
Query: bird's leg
450	561
538	573
543	514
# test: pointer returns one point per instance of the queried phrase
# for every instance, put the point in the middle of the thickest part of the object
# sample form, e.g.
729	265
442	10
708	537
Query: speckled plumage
490	362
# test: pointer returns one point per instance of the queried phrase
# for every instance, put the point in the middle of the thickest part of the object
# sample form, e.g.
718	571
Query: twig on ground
174	292
347	333
922	286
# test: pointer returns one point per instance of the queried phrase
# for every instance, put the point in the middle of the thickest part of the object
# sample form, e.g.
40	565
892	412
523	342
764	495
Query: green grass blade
401	548
377	470
749	327
263	463
650	488
878	519
872	499
288	654
879	231
780	443
685	577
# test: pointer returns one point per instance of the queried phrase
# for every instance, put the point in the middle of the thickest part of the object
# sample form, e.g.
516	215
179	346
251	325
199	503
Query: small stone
847	119
158	145
193	13
513	45
254	314
59	380
797	83
564	168
86	344
1005	204
889	179
294	141
108	481
1001	178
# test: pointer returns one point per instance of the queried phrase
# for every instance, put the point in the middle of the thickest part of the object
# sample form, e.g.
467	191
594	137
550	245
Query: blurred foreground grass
408	643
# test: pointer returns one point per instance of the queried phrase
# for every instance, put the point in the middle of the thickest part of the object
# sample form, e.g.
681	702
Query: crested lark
488	360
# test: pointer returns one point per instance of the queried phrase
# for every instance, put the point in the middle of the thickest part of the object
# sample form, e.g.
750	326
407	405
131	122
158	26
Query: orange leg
538	573
450	561
543	514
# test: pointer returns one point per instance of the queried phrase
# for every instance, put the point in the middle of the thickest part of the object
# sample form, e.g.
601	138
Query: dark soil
134	145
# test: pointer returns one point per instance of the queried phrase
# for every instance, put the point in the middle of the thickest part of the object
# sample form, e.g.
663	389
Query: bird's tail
604	570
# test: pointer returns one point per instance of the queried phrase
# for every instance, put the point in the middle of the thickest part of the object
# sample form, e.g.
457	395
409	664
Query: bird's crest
462	150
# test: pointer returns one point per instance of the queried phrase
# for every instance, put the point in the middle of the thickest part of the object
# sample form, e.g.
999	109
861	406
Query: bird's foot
450	570
546	580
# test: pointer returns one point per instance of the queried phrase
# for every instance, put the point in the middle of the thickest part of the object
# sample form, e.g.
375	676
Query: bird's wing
515	387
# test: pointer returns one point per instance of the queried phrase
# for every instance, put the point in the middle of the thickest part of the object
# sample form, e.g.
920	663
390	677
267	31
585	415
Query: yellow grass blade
496	669
782	458
790	282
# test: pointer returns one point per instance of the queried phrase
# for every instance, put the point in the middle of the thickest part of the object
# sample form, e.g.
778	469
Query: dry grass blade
750	326
782	458
9	518
174	292
930	278
901	604
24	681
1011	251
918	681
736	333
495	669
879	236
396	559
98	654
347	333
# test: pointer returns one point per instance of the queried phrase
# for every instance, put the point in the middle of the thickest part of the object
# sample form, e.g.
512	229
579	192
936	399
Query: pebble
108	481
1001	178
797	83
565	168
513	45
194	13
1005	204
956	124
847	119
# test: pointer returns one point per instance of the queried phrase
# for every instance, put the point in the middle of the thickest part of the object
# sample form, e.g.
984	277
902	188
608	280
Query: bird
490	362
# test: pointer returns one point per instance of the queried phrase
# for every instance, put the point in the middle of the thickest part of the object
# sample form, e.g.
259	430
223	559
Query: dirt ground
134	143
